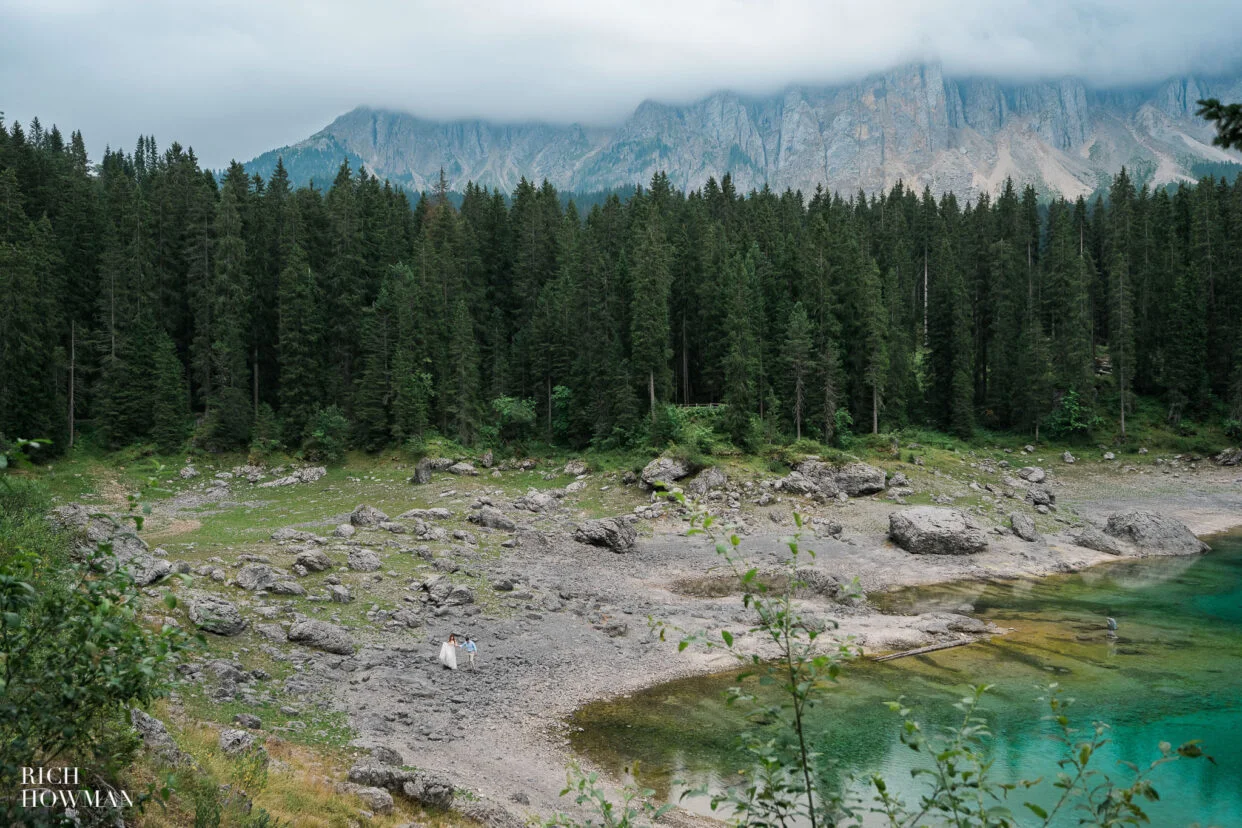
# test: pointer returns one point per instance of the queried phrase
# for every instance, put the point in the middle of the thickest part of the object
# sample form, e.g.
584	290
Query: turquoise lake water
1173	673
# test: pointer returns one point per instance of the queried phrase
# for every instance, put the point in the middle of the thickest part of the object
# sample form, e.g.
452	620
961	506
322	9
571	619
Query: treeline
145	300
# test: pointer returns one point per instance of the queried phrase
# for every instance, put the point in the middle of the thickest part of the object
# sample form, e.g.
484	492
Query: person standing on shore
471	648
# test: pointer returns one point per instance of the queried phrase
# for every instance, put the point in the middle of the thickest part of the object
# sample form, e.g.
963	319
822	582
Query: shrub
75	651
515	418
327	435
1071	418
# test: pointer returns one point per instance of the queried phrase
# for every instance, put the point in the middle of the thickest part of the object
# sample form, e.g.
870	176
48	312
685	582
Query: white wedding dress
448	655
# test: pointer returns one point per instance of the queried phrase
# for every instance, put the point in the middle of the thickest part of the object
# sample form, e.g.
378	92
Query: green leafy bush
327	435
75	654
515	418
1071	418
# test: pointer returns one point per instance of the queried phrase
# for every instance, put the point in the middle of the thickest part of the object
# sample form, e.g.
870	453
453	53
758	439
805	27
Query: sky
233	79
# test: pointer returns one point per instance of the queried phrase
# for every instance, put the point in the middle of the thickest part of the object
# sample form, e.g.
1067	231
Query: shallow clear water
1173	673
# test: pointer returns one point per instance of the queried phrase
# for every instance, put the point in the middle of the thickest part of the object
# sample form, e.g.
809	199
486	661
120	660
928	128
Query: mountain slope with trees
145	301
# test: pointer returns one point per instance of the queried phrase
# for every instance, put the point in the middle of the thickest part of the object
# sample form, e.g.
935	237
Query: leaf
728	637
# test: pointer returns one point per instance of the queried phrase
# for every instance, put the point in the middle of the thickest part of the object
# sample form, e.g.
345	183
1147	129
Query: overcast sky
235	78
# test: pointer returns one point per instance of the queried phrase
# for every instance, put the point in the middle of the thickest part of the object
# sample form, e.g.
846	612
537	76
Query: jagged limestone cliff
911	123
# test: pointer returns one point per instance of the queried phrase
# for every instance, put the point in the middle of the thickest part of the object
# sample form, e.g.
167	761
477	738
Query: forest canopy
147	300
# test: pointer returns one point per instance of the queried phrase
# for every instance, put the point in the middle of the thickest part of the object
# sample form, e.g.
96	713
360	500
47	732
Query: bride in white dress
448	652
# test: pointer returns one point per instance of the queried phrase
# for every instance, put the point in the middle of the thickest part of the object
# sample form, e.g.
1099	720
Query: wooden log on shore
929	649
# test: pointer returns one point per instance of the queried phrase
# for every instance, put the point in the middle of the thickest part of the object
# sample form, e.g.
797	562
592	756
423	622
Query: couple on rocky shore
448	651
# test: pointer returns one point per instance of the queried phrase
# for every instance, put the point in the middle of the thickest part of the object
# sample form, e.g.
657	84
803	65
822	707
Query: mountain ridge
911	123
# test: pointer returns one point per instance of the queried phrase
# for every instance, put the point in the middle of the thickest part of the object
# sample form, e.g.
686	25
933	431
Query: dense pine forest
144	301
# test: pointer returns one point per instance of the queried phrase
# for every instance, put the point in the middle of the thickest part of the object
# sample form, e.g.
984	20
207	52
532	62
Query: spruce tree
169	400
799	344
649	315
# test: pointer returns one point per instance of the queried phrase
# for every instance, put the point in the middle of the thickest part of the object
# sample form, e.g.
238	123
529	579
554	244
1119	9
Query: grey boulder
663	471
1155	534
321	635
366	516
215	615
492	518
1023	526
929	530
616	534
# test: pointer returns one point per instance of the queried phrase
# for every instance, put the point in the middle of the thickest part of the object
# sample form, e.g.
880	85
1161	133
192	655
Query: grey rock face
378	800
492	518
616	534
463	468
367	516
576	467
214	614
910	122
1154	533
664	470
1229	457
1023	526
929	530
322	636
345	530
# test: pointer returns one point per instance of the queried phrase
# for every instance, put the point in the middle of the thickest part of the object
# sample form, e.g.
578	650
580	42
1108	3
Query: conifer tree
301	364
169	400
649	318
799	343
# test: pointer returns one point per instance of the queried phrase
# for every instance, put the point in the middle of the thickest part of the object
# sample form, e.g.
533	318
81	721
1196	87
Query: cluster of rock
1229	457
818	479
305	475
144	565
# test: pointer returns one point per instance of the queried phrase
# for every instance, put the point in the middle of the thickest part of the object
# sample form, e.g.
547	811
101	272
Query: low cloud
233	79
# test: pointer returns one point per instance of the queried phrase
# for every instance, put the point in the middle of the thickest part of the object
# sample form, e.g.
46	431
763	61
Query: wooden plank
921	650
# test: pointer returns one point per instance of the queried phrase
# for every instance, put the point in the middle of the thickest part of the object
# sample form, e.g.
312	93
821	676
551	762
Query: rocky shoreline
561	604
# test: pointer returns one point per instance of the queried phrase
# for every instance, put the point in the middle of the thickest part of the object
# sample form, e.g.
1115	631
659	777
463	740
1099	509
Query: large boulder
930	530
707	480
322	636
313	560
257	576
1154	534
463	469
1023	525
492	518
664	470
1089	537
364	560
617	534
422	786
366	516
146	569
1032	474
537	501
214	614
1229	457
